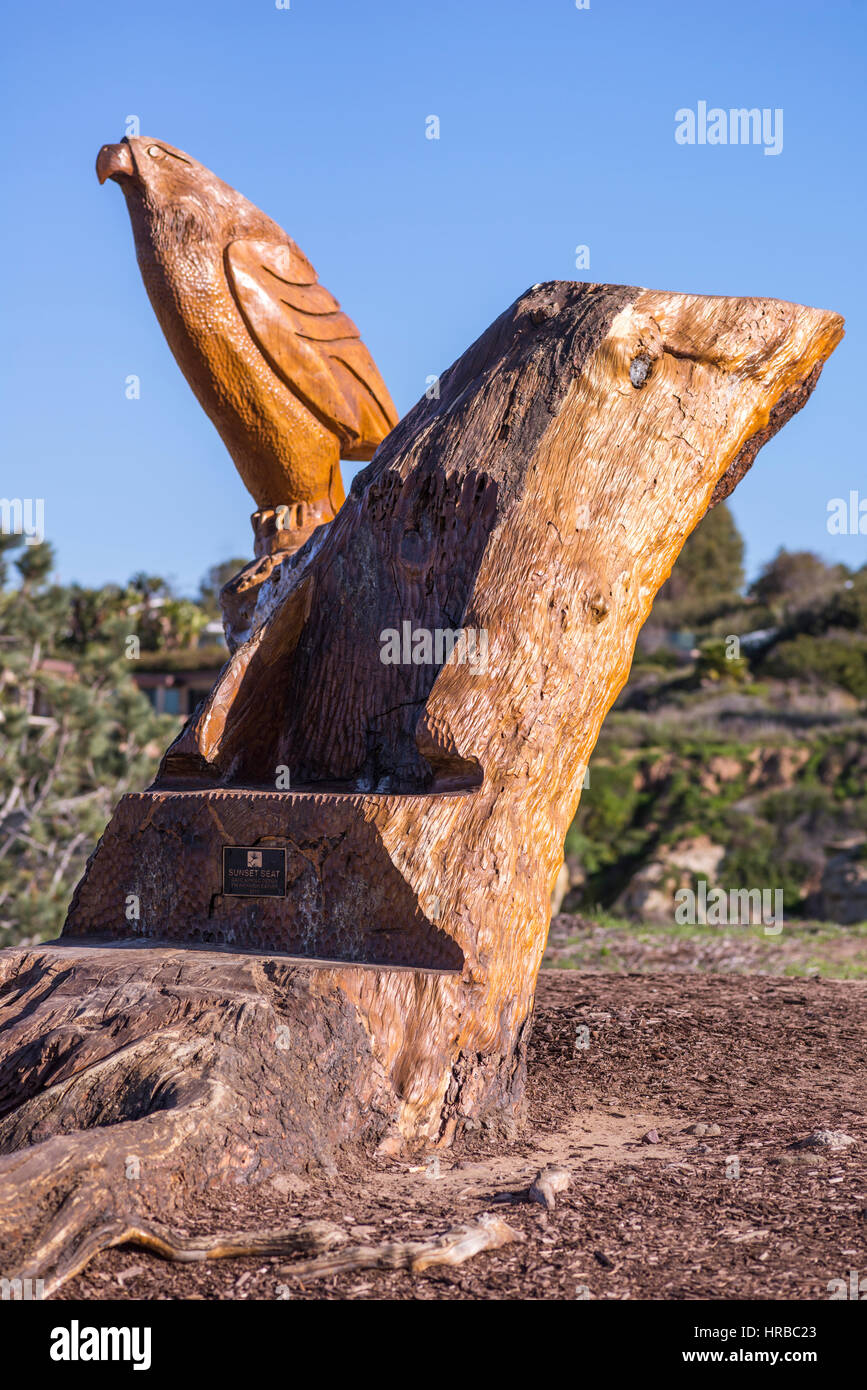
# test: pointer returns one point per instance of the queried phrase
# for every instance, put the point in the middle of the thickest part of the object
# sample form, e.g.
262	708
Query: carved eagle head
177	199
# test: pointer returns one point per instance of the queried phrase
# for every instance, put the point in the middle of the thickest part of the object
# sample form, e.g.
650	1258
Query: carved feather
310	342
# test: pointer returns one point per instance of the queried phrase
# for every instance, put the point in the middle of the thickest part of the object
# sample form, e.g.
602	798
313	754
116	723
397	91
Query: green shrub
823	660
714	663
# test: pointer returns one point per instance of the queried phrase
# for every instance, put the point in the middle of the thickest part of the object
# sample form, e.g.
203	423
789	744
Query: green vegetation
802	949
75	731
756	744
828	660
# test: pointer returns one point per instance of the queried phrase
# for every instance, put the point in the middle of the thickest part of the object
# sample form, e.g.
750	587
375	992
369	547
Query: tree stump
429	674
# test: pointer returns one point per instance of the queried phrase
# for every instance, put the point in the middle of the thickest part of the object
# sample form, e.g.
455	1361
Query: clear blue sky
557	129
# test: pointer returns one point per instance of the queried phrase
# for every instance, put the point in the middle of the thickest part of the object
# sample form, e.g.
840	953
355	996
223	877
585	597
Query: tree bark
537	505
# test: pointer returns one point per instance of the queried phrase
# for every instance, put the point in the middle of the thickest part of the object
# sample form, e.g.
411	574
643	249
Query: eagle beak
113	161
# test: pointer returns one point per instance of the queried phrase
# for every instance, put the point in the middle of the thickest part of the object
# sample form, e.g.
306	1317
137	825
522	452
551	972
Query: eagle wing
310	342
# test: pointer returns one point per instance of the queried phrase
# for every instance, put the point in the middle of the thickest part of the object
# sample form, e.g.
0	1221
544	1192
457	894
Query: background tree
34	564
793	578
213	581
711	564
75	734
7	543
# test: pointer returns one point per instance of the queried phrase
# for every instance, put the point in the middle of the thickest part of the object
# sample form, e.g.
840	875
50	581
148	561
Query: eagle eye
155	152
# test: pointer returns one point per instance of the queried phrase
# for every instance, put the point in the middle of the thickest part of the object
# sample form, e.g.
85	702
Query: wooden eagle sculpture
279	369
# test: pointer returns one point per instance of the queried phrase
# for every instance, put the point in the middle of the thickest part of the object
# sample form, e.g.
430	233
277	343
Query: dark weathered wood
541	500
141	1077
133	1078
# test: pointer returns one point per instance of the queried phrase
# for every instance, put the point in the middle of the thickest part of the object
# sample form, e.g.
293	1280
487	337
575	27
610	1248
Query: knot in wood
414	550
597	605
544	311
639	370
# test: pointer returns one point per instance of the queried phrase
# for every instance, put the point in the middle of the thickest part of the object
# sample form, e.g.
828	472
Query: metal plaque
254	872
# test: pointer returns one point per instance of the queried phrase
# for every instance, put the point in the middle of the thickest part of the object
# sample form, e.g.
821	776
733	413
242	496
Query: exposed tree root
488	1233
173	1245
134	1081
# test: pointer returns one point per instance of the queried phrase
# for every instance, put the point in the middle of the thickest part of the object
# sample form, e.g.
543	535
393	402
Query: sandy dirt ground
621	1069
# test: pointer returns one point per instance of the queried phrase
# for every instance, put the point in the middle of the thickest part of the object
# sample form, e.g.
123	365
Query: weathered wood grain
541	500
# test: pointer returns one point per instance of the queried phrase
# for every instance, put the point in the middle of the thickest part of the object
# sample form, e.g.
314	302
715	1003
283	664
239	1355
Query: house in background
176	681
